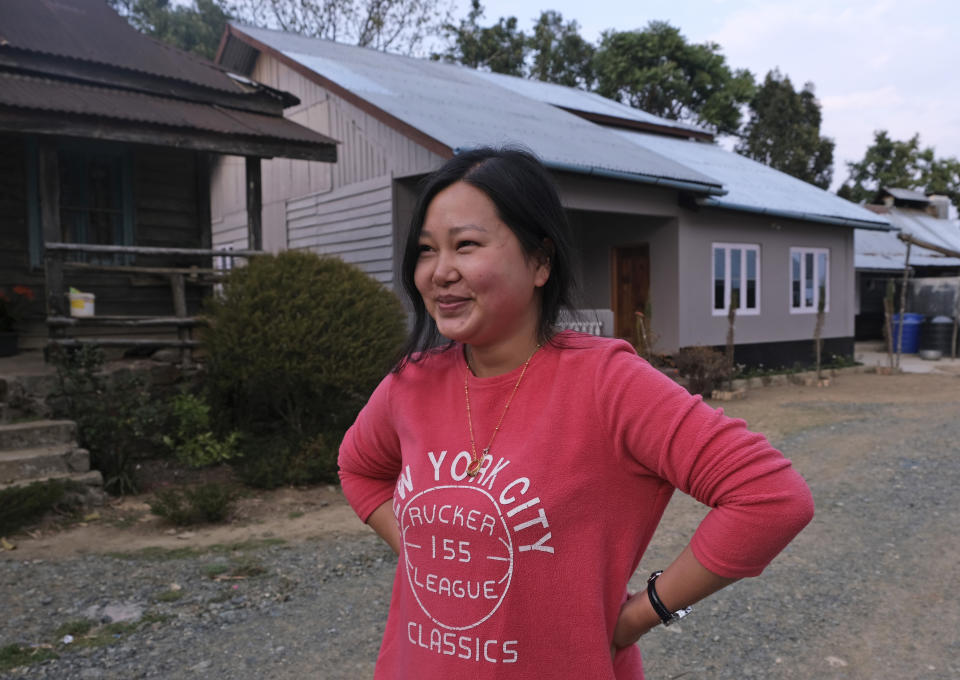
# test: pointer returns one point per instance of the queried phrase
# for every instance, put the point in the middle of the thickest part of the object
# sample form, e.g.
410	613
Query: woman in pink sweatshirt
519	472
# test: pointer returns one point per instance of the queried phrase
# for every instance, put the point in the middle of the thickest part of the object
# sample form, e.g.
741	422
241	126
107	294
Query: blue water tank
911	332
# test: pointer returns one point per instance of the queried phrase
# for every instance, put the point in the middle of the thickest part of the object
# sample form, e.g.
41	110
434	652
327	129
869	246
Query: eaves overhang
796	215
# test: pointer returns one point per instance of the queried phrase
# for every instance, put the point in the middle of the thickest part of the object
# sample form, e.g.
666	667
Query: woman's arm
682	584
383	521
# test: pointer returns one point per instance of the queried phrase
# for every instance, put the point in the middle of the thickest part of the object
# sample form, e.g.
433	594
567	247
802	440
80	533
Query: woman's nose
445	272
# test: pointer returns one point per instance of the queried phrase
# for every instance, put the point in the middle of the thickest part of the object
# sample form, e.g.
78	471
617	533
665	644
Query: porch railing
60	323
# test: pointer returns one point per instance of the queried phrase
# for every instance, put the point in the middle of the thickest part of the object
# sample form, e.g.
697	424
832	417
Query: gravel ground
868	590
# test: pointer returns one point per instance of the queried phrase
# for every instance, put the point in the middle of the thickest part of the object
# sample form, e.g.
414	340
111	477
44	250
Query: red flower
13	307
24	291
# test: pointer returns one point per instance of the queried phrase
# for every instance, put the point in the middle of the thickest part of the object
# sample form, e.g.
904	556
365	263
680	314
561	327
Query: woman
519	472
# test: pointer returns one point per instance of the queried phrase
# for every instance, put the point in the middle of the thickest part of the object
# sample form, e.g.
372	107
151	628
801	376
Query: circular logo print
458	554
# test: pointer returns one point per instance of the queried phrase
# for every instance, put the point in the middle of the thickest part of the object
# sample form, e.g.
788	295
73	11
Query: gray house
665	220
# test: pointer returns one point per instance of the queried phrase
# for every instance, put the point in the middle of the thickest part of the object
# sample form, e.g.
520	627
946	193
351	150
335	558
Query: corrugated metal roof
89	30
459	108
580	100
885	251
754	186
40	94
907	194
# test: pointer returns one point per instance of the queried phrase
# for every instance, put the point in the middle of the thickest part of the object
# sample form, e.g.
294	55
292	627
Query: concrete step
92	479
42	461
36	433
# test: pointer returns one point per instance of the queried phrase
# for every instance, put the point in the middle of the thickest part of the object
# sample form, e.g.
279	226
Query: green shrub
296	343
193	441
704	368
205	503
20	505
118	418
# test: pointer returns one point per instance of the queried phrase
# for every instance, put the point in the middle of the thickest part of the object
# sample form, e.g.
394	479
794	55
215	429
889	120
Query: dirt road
868	591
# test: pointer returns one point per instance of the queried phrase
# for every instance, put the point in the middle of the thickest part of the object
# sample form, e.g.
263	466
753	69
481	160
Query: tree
943	178
196	28
893	163
500	48
560	54
390	25
658	71
783	131
396	25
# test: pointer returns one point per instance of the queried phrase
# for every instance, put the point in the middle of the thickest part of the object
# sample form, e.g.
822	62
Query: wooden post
178	288
48	191
254	204
956	321
203	199
903	303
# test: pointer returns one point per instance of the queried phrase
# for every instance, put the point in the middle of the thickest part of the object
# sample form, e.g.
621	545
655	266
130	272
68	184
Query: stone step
36	433
42	461
93	478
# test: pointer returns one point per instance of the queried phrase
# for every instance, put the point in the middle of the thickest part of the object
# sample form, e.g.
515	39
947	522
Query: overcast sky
876	64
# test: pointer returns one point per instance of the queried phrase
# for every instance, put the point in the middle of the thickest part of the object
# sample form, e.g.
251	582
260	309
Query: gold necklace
473	469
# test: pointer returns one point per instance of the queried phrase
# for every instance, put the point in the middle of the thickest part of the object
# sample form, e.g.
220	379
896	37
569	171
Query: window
94	196
736	277
809	279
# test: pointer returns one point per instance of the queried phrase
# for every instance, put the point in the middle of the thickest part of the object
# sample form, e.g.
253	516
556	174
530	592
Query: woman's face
475	279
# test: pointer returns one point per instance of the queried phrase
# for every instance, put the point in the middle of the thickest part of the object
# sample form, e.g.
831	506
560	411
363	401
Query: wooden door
631	287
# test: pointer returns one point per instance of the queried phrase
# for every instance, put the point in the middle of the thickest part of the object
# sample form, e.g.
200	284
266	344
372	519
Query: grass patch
14	656
163	554
214	570
151	618
295	515
247	568
243	567
169	596
75	628
202	504
86	634
20	505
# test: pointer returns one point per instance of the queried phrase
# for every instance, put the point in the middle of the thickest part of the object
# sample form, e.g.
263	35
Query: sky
875	64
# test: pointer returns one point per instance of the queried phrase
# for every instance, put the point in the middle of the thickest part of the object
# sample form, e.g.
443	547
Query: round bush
296	344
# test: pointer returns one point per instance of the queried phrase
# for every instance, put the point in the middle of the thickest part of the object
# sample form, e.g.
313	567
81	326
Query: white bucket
81	304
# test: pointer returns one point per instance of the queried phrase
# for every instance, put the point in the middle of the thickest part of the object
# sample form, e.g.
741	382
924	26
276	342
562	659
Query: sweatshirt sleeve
758	501
370	454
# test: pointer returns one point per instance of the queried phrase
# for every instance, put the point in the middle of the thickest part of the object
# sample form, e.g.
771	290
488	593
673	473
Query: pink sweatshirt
520	572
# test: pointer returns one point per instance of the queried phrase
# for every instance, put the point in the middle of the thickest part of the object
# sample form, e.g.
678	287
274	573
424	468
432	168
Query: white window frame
727	287
803	252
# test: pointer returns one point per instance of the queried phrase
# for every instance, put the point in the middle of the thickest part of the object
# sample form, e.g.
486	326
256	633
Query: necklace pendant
474	468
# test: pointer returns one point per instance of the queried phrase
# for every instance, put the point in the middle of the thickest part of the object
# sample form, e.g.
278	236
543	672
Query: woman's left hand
636	618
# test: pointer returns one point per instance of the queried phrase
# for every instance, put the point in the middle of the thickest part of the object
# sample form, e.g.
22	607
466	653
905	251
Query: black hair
526	200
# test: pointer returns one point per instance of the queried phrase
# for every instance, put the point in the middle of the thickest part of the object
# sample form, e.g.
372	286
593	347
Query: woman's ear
544	259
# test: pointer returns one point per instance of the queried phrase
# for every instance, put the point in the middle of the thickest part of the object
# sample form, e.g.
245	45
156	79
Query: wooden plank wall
368	149
15	267
353	223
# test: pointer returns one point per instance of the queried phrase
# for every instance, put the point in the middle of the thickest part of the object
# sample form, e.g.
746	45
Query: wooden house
107	138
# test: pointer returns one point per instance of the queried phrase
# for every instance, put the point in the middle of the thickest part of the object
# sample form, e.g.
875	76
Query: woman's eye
466	244
423	248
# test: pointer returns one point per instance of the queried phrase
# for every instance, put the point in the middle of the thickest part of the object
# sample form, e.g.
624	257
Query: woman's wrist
637	618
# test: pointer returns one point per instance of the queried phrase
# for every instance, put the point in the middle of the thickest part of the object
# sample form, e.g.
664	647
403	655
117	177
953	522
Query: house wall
368	149
15	269
775	236
597	234
354	222
608	213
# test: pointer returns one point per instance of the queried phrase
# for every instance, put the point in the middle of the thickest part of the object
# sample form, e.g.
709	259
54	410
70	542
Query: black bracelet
666	616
